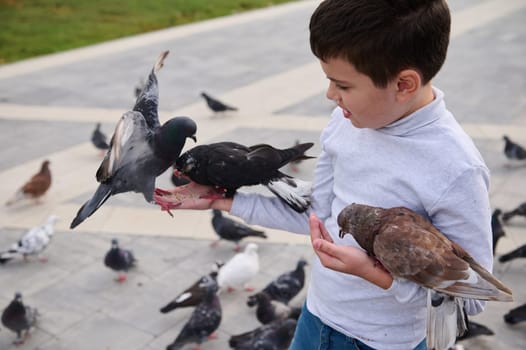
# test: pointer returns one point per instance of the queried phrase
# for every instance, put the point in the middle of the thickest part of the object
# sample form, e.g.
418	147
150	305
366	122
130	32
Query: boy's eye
341	87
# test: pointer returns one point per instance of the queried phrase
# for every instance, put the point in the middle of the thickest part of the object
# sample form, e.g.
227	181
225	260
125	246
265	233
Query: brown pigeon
36	187
411	248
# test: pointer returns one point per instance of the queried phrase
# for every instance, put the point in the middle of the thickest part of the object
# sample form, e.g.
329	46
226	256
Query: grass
31	28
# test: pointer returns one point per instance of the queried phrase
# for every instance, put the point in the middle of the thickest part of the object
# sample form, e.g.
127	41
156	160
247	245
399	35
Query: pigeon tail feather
296	193
445	320
101	195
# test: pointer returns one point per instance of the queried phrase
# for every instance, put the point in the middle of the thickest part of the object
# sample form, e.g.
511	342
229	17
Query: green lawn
31	28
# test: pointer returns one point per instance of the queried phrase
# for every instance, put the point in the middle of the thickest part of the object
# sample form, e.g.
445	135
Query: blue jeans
312	334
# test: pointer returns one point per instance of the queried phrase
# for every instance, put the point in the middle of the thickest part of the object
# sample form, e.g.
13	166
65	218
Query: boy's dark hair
383	37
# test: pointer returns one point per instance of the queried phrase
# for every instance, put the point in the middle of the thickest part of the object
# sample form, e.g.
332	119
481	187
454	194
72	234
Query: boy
390	142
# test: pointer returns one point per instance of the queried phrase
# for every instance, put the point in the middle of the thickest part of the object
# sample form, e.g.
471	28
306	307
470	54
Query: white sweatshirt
425	162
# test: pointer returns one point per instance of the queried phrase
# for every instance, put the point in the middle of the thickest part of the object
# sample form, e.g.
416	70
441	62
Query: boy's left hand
346	259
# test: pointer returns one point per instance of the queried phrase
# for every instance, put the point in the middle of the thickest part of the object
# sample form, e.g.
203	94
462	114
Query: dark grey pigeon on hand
141	149
497	230
519	211
512	150
19	318
99	139
194	294
516	315
519	252
215	105
227	166
231	230
286	286
119	260
203	322
276	335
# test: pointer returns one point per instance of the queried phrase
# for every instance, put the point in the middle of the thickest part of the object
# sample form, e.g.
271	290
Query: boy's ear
408	82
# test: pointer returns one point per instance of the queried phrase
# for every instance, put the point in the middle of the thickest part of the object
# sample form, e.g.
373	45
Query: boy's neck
424	97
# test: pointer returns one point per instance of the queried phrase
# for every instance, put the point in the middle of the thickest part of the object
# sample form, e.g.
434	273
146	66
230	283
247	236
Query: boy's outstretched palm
189	196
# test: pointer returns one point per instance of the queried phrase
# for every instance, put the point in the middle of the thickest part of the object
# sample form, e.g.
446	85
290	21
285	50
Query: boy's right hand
189	196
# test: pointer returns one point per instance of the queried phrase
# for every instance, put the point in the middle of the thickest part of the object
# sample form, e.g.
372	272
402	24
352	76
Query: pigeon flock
141	149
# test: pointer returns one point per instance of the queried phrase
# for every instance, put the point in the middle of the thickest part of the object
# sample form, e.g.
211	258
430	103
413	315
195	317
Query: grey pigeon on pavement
239	270
519	252
516	315
424	255
512	150
119	260
286	286
35	187
474	329
497	230
203	322
227	166
99	139
276	335
19	318
215	105
141	149
231	230
194	294
519	211
268	310
33	242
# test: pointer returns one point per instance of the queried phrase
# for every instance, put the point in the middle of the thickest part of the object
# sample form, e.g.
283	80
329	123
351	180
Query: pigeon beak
341	233
193	138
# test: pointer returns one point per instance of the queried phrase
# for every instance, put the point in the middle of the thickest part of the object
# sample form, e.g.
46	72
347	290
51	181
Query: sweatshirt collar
421	117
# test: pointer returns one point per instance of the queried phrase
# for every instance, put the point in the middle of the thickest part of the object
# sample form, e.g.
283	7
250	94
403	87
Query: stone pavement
260	62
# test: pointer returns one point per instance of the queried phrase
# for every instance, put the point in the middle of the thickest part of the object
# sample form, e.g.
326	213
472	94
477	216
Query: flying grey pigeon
497	230
203	322
141	149
424	255
99	139
269	310
512	150
33	242
286	286
215	105
239	270
227	166
120	260
519	211
231	230
519	252
19	318
35	187
516	315
194	294
275	335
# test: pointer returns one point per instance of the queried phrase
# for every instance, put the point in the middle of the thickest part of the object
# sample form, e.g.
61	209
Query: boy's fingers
314	225
328	254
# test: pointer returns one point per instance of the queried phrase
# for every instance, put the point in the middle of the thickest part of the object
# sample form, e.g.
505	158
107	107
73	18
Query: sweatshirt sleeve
463	214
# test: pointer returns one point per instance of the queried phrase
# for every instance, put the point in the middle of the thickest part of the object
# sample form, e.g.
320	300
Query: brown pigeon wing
408	251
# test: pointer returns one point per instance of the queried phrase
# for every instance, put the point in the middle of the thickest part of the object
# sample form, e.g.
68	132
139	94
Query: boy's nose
331	92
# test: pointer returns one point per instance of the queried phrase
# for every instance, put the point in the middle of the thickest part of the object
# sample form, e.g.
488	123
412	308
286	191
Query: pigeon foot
121	278
213	336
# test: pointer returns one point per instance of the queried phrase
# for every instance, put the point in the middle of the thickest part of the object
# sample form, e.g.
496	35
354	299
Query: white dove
239	270
32	243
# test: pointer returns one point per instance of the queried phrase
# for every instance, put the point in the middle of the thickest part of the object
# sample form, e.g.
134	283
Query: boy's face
364	104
